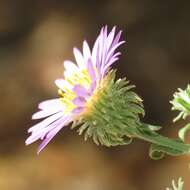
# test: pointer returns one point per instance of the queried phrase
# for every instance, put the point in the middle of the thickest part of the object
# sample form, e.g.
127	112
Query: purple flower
78	88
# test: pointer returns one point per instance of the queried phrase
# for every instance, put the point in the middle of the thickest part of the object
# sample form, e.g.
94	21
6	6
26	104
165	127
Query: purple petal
112	57
91	70
110	38
63	84
49	103
117	54
47	140
79	58
52	133
103	50
103	53
110	53
70	67
92	76
105	31
47	112
98	65
95	50
41	132
43	144
100	50
92	87
46	122
108	65
80	90
79	101
117	38
77	110
86	51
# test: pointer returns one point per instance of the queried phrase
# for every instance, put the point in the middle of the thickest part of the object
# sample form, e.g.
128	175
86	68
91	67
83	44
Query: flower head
79	88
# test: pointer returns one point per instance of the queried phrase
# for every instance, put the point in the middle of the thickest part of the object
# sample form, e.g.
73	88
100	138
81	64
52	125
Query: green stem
160	144
158	139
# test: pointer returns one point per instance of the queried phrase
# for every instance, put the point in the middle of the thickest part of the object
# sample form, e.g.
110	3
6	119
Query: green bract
113	115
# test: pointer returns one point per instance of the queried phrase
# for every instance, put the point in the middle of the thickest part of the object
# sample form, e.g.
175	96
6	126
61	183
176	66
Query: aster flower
98	105
78	89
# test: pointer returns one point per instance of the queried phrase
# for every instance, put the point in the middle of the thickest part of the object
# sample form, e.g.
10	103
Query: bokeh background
35	37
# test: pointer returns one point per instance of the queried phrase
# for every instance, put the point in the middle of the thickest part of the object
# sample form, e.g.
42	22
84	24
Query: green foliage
112	116
181	102
178	186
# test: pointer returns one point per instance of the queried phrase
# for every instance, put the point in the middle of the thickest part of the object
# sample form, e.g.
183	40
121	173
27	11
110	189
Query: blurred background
35	37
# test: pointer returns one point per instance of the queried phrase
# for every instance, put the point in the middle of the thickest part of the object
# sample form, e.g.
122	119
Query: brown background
35	37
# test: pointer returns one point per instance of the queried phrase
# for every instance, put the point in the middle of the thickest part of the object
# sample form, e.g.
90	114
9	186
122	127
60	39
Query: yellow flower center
67	95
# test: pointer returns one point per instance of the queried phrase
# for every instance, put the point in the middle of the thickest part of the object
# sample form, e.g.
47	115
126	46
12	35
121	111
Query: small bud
181	102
